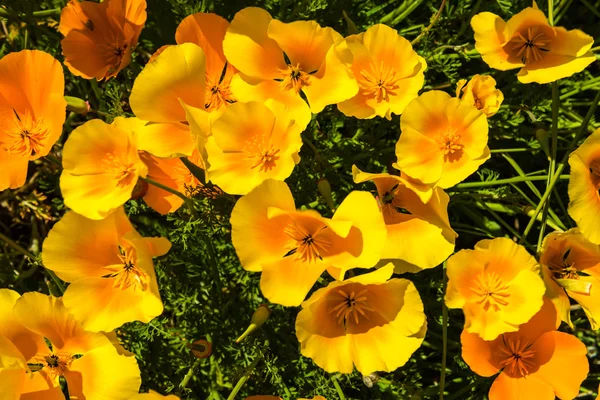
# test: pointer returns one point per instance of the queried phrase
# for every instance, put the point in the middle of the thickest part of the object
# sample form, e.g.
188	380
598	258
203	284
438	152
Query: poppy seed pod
259	317
77	105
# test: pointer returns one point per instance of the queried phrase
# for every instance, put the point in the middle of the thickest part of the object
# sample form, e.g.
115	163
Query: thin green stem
561	166
185	199
444	334
497	182
212	257
37	14
244	378
551	12
186	379
338	388
500	220
433	21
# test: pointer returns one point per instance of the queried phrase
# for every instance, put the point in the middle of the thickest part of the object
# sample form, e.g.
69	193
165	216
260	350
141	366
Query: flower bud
325	190
259	317
542	137
77	105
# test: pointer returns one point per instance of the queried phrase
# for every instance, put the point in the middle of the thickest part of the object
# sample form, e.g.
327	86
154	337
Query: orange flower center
25	137
379	85
450	144
562	268
351	305
490	289
530	46
478	102
128	274
123	172
294	78
517	359
54	364
595	173
218	94
308	247
263	154
115	57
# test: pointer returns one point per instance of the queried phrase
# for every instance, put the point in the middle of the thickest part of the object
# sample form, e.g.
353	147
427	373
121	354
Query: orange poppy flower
527	41
416	218
99	37
173	173
370	321
535	362
497	285
571	268
443	139
481	92
584	183
110	269
94	365
281	60
292	248
388	71
252	142
101	166
32	111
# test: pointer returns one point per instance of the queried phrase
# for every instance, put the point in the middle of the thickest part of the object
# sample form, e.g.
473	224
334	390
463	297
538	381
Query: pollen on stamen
304	245
294	78
25	136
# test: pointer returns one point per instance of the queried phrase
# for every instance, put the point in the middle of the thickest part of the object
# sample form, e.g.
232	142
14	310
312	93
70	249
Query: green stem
561	166
444	334
244	378
185	199
55	12
337	387
551	12
189	375
471	185
433	21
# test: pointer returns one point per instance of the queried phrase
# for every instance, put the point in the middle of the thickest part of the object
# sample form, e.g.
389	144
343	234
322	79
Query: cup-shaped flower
535	362
281	60
175	78
94	365
101	166
99	37
252	142
443	139
481	92
584	187
32	111
497	285
571	268
370	321
527	41
388	71
172	173
292	248
118	283
419	235
152	395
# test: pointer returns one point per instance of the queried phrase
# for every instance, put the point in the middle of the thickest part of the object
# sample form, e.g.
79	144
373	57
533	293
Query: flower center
450	143
128	274
55	364
25	137
517	359
492	292
595	173
379	85
478	102
123	172
116	57
218	94
307	247
529	48
263	154
563	268
351	305
294	78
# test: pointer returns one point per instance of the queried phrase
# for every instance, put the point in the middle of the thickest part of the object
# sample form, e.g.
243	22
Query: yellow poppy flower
317	62
443	139
497	285
370	321
292	248
416	219
99	37
584	184
571	268
32	111
170	172
110	269
101	166
388	71
152	395
94	365
535	362
527	41
175	78
481	92
252	142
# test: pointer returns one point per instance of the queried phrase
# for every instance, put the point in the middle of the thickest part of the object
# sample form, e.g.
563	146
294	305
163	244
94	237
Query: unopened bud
325	190
201	348
259	317
140	189
77	105
542	137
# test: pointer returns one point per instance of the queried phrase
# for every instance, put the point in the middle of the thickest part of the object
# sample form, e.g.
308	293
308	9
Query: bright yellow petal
490	38
554	67
12	370
166	139
558	296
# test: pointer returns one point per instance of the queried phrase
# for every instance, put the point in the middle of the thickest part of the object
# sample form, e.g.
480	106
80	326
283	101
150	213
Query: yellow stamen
491	290
55	364
529	47
449	142
218	94
25	136
307	246
518	359
351	305
122	170
379	82
294	78
262	153
128	274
